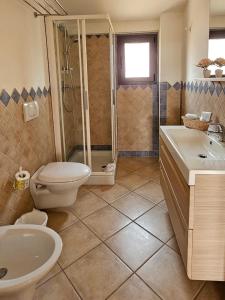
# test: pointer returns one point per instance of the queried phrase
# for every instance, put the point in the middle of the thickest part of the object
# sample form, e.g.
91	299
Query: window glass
137	60
216	49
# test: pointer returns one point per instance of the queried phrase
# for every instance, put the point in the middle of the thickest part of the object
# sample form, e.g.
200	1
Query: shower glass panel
82	63
70	82
99	93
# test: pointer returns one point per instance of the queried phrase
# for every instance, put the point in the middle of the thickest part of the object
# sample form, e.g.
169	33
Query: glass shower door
99	98
68	45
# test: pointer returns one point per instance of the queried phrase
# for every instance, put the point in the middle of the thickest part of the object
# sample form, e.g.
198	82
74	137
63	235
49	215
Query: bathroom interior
112	156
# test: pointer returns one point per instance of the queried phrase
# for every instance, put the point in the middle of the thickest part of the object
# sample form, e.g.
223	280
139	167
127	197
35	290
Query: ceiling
121	10
132	10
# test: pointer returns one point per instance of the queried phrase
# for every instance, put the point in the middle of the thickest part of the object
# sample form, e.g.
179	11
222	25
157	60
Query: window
136	59
216	46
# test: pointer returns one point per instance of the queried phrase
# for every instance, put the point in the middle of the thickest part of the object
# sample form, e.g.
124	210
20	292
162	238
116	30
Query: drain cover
202	155
3	272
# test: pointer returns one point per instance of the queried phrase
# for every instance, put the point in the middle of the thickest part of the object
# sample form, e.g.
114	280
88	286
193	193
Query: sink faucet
216	132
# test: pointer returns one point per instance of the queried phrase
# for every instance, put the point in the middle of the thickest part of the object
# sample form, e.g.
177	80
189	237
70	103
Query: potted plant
204	64
219	62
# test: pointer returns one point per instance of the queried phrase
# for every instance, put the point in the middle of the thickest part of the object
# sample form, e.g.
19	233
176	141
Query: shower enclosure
81	60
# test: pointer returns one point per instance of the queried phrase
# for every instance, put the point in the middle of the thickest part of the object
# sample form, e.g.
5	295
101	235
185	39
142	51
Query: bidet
28	253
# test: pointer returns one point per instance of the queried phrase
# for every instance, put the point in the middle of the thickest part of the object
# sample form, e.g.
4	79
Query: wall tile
29	145
213	99
135	118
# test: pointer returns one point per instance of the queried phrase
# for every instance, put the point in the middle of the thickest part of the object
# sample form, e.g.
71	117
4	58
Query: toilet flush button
30	110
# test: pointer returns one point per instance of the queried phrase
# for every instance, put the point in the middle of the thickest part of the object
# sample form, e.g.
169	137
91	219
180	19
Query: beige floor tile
122	171
98	274
134	289
87	203
151	191
130	163
59	219
132	181
57	288
150	171
106	222
77	240
134	245
149	160
110	192
157	222
212	291
164	272
163	204
133	205
55	270
156	179
172	243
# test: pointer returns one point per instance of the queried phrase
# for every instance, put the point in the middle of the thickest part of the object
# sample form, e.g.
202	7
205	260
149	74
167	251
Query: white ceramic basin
27	252
188	145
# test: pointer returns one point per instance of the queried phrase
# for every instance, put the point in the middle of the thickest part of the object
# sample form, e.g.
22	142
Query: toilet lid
63	172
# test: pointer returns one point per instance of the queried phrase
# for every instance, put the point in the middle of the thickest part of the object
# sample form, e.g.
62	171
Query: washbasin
194	151
27	254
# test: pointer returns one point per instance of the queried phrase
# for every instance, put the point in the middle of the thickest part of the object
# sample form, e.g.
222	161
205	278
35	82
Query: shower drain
3	272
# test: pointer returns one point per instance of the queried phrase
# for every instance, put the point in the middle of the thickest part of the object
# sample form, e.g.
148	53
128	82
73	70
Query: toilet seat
62	172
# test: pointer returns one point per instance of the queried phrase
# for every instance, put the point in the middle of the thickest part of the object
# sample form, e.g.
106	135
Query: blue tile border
15	96
138	153
4	97
205	87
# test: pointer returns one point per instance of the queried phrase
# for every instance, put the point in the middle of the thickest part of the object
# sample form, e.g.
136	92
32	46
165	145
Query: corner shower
81	58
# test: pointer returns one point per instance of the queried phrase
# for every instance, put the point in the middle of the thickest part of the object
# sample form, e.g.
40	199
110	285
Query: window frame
136	38
216	34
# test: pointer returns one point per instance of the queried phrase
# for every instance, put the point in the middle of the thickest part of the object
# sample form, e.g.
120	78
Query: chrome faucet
216	132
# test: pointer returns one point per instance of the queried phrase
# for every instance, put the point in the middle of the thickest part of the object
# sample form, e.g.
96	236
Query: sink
194	151
27	254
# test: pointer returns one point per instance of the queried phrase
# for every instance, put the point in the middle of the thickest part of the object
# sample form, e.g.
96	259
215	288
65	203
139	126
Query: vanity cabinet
197	214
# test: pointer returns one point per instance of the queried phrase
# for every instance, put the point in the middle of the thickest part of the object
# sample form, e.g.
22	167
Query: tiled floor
118	244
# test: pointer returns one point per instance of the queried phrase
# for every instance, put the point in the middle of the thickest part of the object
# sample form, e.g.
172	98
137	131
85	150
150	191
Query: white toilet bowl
28	253
56	184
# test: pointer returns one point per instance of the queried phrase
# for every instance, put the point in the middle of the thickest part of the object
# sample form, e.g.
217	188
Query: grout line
53	276
149	286
147	198
72	285
119	286
200	290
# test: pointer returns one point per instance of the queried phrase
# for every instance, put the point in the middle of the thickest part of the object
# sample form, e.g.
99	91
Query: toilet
56	184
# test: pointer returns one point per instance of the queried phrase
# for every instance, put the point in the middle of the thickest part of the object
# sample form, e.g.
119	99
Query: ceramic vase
206	73
219	73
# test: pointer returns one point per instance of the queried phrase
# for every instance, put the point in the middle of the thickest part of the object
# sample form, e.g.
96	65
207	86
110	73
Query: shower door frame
55	84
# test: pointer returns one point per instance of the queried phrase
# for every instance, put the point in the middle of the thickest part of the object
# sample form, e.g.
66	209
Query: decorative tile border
15	96
205	87
138	153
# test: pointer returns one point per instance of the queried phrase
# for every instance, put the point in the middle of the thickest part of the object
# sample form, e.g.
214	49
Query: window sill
212	79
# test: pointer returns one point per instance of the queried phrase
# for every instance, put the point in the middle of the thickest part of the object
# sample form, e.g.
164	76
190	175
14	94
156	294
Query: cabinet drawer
178	183
180	230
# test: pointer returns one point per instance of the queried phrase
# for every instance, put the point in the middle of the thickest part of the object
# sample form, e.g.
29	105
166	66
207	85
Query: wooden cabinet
197	214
